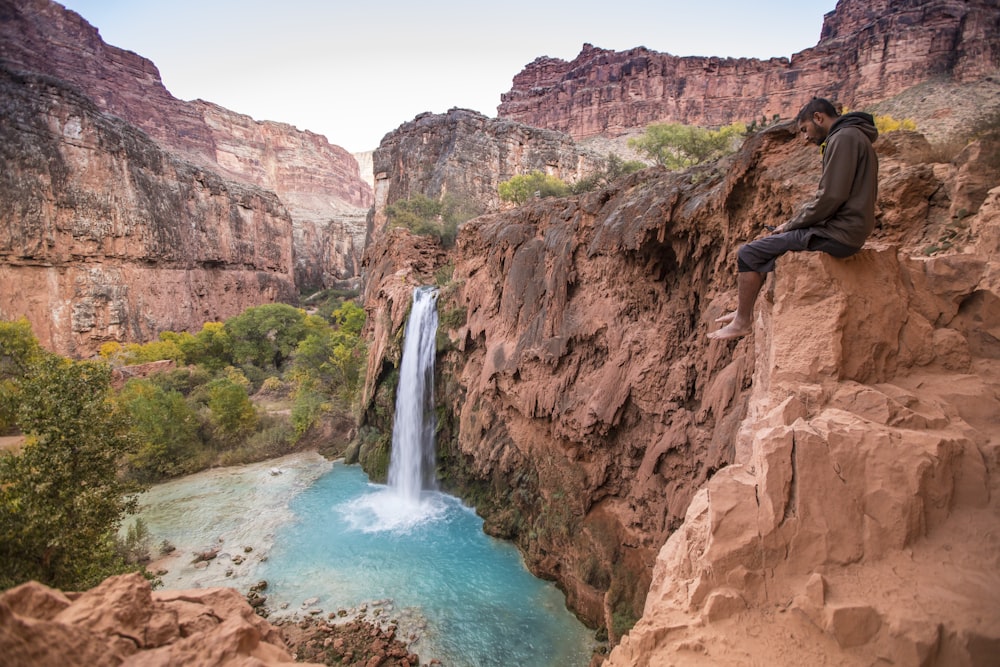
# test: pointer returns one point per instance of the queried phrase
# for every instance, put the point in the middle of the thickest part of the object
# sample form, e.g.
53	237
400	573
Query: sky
354	71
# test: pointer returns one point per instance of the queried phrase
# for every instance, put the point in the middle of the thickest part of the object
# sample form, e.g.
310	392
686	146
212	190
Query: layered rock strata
867	52
318	183
464	155
590	421
106	236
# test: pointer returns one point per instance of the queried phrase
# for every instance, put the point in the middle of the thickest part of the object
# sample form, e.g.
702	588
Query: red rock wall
466	155
586	412
318	183
105	236
867	52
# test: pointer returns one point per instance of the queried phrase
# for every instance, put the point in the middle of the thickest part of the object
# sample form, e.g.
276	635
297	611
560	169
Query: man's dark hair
816	104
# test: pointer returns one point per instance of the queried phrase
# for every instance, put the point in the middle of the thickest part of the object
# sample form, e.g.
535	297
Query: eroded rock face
591	421
858	519
123	622
465	155
318	183
867	52
106	236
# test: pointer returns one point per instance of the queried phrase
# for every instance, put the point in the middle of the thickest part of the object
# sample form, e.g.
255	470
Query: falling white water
411	466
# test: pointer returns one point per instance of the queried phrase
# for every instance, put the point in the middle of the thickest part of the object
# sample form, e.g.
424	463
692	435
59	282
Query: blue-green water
323	531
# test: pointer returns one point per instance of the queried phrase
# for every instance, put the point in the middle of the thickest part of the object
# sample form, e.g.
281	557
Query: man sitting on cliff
837	221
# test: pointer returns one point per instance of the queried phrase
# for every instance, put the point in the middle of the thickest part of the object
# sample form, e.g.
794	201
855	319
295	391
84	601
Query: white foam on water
387	510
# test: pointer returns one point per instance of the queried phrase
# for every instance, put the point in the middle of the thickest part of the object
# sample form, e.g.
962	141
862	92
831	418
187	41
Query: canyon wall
318	184
588	419
106	236
464	155
867	52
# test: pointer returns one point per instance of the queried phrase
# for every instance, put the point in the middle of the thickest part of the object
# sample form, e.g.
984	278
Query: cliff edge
667	482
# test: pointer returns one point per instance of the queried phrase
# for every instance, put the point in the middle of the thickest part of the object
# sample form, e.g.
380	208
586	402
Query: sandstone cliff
465	155
867	52
318	184
588	418
123	622
106	236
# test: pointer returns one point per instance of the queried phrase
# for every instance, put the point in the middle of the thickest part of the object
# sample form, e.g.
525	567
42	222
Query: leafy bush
439	218
678	147
885	124
166	426
265	336
614	169
329	364
233	415
762	124
61	498
18	351
523	187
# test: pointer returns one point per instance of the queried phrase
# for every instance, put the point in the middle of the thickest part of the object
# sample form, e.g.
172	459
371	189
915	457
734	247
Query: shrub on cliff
523	187
614	168
62	498
678	147
422	215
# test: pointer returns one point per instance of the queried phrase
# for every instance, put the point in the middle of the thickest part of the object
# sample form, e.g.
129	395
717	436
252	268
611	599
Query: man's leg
755	260
748	284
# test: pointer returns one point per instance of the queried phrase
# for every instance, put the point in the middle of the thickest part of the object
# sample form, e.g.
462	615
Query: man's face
812	132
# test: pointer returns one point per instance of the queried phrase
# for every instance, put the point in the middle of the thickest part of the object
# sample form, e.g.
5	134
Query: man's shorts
760	255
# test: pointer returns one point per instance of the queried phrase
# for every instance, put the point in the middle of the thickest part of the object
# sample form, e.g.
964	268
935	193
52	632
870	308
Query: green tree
678	147
211	347
62	498
523	187
18	351
329	363
166	427
233	415
265	336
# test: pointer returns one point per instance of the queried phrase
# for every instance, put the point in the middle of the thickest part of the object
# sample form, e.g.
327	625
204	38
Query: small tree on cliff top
678	147
523	187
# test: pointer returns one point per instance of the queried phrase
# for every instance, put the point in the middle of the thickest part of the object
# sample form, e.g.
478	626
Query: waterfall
411	465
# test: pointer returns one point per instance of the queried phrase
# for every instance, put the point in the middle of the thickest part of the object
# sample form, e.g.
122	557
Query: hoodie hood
863	121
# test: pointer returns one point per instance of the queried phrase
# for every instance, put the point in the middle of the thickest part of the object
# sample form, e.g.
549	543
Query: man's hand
779	229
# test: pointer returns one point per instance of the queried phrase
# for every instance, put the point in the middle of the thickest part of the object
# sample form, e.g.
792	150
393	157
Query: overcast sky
354	71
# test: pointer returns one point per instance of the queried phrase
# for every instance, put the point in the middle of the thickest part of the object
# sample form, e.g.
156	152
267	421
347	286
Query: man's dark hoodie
844	206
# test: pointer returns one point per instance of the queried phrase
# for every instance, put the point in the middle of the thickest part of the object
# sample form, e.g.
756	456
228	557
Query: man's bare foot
727	318
731	331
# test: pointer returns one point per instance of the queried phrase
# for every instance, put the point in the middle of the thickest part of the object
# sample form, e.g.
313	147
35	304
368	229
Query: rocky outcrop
867	52
464	155
108	237
589	420
858	519
318	183
123	622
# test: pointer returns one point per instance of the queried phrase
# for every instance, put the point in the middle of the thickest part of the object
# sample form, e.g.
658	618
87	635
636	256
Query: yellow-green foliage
61	497
885	124
523	187
422	215
18	351
678	147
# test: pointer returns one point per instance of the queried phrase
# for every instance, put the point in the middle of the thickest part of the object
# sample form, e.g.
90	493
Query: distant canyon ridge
867	52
